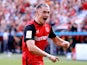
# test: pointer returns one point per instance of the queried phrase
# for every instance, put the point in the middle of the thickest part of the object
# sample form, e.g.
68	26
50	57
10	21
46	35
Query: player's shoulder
30	22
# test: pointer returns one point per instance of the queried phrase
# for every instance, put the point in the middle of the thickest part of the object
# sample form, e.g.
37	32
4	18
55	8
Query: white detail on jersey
47	29
37	31
29	34
41	38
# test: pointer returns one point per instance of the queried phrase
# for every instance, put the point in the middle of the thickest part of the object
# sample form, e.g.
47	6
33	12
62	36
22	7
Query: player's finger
57	59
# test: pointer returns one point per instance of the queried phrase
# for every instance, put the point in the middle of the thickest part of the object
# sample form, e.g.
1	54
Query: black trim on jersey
29	28
52	34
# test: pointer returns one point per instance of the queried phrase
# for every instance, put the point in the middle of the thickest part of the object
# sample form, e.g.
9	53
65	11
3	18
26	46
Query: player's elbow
30	45
31	49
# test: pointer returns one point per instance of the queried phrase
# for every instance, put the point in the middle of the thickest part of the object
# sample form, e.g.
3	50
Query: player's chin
43	22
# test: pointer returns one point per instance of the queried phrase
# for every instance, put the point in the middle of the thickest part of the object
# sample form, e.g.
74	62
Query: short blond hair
41	5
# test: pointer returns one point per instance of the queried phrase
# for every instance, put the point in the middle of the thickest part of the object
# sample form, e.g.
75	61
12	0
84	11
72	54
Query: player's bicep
30	44
29	33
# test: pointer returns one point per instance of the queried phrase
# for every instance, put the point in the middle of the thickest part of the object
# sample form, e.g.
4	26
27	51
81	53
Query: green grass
64	61
15	59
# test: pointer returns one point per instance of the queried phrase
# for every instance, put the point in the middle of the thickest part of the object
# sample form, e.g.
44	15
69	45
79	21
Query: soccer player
35	38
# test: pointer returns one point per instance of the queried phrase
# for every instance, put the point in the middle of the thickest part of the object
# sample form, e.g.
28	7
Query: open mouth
45	18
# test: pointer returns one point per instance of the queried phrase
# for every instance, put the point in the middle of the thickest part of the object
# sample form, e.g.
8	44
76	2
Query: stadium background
68	19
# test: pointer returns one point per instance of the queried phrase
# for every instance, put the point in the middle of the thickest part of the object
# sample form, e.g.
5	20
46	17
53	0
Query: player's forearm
58	41
34	49
40	52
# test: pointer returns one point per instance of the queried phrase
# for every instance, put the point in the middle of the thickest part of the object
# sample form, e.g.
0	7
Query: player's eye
46	12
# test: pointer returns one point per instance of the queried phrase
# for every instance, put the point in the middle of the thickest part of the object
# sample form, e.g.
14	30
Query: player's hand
65	44
53	58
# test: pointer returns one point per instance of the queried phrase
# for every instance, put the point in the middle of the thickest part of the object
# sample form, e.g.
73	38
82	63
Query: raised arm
58	41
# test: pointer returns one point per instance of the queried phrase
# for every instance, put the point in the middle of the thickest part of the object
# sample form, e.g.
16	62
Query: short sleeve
52	34
29	32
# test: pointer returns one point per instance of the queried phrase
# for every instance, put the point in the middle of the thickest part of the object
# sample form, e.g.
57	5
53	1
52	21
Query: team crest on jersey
37	31
47	29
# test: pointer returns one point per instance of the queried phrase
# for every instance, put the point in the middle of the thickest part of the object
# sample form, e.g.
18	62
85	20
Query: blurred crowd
66	15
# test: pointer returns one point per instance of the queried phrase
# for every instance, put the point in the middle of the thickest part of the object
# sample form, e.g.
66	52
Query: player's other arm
35	50
58	41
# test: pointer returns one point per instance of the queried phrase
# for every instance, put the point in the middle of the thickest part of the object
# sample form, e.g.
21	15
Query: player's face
43	14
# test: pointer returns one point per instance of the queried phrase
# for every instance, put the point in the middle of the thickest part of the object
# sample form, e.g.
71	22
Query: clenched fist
53	58
65	44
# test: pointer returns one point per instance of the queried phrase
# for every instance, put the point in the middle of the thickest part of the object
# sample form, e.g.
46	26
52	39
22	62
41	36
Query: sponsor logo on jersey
41	38
29	34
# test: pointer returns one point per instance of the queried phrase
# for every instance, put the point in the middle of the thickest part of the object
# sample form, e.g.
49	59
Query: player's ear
37	12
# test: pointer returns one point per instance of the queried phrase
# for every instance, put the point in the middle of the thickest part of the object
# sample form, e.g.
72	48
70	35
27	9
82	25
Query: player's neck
37	21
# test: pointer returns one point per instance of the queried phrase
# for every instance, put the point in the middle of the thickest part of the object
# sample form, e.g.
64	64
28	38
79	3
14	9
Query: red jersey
39	33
